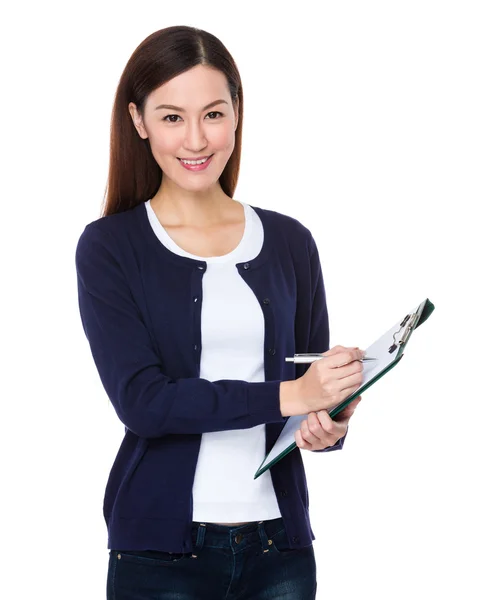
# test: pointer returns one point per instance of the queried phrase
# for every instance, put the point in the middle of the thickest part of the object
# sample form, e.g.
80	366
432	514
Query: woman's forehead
193	89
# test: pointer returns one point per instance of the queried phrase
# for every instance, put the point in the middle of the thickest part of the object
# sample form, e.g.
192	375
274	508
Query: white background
373	124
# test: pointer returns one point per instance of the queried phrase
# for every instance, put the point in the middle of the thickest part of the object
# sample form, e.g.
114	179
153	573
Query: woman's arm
146	400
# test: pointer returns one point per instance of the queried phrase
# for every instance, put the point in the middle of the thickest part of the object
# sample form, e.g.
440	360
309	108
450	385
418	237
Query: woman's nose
195	138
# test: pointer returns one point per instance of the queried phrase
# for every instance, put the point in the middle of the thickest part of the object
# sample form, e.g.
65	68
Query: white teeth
194	162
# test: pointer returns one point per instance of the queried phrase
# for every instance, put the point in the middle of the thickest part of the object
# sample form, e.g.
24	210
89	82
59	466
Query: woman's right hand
326	383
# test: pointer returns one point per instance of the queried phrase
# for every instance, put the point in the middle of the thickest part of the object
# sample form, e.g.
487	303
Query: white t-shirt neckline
166	240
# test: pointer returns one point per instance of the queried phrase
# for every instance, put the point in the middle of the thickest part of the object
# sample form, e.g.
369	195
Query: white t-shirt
232	335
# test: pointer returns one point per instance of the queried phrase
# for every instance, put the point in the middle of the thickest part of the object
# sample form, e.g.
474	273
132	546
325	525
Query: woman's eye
215	112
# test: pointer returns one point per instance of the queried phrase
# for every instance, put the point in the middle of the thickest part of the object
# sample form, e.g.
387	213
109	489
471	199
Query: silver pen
312	356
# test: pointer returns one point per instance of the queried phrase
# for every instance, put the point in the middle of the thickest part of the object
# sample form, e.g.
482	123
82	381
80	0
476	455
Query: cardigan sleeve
148	402
319	339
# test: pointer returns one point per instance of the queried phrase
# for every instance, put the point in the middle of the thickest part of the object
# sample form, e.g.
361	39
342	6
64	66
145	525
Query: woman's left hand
319	431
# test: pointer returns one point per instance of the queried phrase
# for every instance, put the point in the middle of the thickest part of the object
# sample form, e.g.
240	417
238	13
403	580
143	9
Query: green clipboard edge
424	311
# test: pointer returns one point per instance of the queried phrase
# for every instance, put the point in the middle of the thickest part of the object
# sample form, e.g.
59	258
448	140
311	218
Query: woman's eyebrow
177	108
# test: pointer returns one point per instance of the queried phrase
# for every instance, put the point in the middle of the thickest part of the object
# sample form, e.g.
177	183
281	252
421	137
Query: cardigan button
200	268
195	298
266	301
295	539
272	351
283	493
246	266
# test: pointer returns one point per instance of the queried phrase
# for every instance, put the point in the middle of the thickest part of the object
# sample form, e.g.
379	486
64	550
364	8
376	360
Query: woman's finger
348	411
311	429
331	427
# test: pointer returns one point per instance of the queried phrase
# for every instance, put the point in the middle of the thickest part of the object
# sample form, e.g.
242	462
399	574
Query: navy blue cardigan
140	306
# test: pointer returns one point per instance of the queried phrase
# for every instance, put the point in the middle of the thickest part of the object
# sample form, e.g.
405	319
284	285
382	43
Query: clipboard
388	349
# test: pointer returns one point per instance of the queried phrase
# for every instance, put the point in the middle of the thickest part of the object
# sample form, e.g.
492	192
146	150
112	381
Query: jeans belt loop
200	538
264	539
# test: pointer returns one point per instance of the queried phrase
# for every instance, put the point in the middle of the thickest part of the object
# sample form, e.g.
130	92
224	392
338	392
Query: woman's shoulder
283	224
111	228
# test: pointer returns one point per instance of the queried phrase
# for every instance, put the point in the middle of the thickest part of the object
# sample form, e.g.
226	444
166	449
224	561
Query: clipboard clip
408	322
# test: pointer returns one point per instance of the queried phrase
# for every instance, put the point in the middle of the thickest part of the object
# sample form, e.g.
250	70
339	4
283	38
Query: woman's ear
137	120
236	111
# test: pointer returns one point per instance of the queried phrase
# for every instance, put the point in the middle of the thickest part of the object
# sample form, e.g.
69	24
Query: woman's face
179	126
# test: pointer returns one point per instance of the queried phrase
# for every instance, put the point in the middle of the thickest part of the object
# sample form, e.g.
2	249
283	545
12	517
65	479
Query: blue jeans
247	562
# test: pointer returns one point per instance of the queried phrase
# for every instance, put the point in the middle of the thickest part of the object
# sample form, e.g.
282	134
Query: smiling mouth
207	158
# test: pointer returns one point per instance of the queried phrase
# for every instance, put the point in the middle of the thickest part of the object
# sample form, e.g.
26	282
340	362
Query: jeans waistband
238	537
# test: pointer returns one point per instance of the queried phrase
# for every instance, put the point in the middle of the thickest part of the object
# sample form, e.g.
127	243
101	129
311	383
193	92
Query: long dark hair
134	176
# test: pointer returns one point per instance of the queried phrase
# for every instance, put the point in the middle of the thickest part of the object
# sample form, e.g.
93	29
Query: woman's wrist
290	403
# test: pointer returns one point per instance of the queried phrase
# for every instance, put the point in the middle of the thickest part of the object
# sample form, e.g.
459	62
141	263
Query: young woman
191	300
